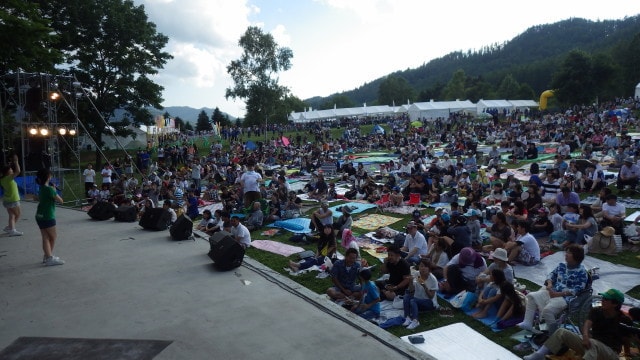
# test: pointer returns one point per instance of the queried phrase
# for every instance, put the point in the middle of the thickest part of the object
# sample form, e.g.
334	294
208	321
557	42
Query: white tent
510	105
439	109
637	96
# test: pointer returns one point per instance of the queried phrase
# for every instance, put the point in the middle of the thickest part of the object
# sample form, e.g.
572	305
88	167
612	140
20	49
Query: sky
339	45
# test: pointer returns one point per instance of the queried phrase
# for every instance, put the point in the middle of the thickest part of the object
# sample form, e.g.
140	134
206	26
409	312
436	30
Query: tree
572	83
112	49
218	117
188	126
508	88
27	39
455	88
395	90
203	124
180	124
339	101
255	74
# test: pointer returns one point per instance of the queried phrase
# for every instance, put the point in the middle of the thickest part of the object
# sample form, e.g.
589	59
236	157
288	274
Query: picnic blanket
298	225
211	207
403	210
276	247
374	221
356	206
491	320
611	275
457	341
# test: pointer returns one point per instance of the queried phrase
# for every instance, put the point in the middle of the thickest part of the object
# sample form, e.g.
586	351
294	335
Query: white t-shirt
416	241
431	284
106	176
89	175
250	181
615	210
241	233
530	245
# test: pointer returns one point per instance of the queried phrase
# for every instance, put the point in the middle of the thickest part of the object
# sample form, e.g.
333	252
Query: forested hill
531	58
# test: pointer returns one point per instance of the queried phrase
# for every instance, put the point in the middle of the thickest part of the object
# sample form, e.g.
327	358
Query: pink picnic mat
276	247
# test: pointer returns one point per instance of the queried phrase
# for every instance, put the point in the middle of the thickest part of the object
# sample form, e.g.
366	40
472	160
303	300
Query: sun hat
473	212
500	254
608	231
629	160
613	294
466	256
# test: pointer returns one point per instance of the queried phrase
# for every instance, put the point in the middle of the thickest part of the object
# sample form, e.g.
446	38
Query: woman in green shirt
11	197
46	216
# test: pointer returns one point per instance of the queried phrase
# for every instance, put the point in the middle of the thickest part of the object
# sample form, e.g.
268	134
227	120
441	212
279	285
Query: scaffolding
39	123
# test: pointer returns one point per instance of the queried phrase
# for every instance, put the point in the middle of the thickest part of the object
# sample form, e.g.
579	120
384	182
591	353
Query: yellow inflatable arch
543	98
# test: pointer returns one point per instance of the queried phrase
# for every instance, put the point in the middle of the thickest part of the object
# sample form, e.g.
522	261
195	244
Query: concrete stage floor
122	282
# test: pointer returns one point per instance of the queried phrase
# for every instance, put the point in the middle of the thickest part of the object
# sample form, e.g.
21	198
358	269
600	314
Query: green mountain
531	58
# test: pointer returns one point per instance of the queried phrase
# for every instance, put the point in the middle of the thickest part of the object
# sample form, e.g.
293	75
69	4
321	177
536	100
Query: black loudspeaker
182	228
155	219
102	210
225	252
126	214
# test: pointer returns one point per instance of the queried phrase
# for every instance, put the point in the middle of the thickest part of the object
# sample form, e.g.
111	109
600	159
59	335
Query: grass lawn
427	320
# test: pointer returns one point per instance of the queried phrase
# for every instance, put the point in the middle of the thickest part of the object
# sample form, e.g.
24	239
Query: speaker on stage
126	214
182	229
155	219
102	210
225	252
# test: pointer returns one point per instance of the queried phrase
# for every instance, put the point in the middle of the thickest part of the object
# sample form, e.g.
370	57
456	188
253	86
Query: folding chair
414	199
383	202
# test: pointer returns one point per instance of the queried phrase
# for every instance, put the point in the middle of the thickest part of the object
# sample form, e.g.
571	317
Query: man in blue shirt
344	274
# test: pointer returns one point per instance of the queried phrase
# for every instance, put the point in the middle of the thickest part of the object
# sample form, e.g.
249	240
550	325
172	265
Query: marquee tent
439	109
510	105
637	96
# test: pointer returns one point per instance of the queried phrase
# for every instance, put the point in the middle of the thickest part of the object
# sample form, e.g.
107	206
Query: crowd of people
438	162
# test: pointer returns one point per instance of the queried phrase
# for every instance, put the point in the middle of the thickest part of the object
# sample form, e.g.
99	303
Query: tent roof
524	103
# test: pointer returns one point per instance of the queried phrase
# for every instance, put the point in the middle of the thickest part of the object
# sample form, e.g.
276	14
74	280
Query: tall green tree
180	124
203	123
218	117
188	126
28	42
113	50
395	90
455	88
508	88
573	82
255	75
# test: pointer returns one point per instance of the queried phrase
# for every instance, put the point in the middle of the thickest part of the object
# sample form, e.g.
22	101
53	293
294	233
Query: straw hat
608	231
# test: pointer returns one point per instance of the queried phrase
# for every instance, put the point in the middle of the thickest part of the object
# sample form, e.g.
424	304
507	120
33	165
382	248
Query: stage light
72	132
33	131
53	96
44	131
62	131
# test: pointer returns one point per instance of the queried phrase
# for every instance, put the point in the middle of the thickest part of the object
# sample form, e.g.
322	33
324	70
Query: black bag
182	228
102	210
351	194
126	213
155	219
225	251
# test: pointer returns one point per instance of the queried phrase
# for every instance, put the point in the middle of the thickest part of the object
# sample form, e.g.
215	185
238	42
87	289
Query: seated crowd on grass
440	163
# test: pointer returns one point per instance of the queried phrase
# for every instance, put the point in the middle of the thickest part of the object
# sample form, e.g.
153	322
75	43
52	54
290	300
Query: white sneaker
407	321
414	324
53	261
14	232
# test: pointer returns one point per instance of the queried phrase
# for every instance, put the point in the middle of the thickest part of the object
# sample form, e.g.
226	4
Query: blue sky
339	45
